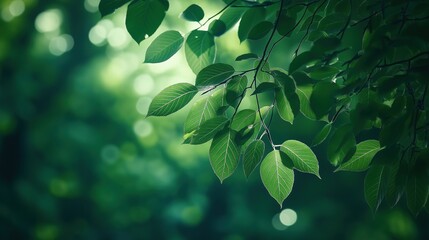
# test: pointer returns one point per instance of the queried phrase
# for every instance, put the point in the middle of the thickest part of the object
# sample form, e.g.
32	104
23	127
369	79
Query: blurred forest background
78	160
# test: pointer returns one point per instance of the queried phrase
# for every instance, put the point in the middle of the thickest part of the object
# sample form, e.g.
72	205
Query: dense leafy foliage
358	66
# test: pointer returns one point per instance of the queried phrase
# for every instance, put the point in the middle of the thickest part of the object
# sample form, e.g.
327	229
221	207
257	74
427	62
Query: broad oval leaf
260	30
143	18
323	98
107	7
360	161
217	27
250	18
213	75
172	99
332	23
230	17
252	156
193	13
302	60
203	109
276	177
284	80
325	44
304	93
243	119
208	130
224	154
200	50
322	135
286	24
283	106
265	87
326	73
302	156
164	46
373	186
417	192
342	145
235	88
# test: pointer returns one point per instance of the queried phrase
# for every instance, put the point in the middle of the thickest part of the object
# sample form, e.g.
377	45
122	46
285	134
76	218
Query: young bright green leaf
224	154
172	99
200	50
235	88
252	156
163	47
250	18
276	177
302	156
246	56
322	135
286	24
260	30
360	161
193	13
143	18
323	98
341	145
265	87
373	186
213	75
202	110
263	75
243	119
304	93
417	192
208	130
107	7
283	106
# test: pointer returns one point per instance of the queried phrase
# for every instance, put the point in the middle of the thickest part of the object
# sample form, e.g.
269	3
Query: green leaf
252	156
373	186
323	98
326	44
250	18
324	73
230	17
322	135
107	7
200	50
202	110
286	24
302	156
243	119
263	75
284	80
208	130
304	93
260	30
234	88
246	56
172	99
224	154
193	13
332	23
342	145
417	192
360	161
264	87
163	47
213	75
284	107
217	27
303	59
143	18
276	177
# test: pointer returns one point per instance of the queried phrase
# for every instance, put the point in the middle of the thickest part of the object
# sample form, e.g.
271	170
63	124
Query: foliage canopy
360	67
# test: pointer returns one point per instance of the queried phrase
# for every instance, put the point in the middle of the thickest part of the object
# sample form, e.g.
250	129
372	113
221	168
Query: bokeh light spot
288	217
91	5
49	20
118	38
110	153
143	84
61	44
142	105
97	35
143	128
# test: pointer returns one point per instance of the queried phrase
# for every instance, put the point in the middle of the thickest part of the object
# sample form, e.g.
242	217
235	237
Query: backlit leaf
193	13
360	161
172	99
373	186
208	130
276	177
252	156
213	75
250	18
283	106
302	156
200	50
109	6
243	119
164	46
224	154
260	30
322	135
342	145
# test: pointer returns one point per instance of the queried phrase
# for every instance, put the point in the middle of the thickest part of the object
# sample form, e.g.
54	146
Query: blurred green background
78	160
